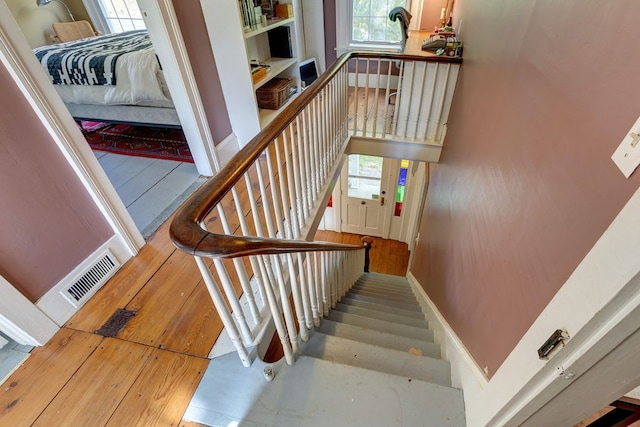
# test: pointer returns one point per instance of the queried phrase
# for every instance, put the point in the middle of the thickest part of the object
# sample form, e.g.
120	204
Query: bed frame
128	114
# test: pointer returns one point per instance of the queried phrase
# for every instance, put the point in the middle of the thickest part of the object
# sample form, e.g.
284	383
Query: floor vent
99	273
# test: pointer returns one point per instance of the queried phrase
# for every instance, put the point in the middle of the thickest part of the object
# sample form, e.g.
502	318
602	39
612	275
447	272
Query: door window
365	176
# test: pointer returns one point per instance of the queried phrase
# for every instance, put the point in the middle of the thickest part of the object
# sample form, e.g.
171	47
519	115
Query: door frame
18	58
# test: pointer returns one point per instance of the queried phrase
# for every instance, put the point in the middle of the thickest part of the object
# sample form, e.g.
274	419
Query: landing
315	392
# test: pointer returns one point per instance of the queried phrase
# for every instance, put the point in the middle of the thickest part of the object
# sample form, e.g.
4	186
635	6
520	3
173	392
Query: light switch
627	155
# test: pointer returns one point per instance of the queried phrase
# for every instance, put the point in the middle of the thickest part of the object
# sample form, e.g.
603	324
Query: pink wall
196	39
48	222
525	185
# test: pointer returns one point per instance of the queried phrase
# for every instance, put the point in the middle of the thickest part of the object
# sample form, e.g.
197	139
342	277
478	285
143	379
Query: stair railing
249	227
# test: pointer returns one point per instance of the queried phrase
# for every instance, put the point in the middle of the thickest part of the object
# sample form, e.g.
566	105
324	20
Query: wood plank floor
151	189
147	374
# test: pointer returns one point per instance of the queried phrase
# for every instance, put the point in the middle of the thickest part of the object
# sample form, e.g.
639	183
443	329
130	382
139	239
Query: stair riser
387	278
385	297
411	307
385	287
355	353
382	308
381	339
388	317
404	286
384	292
382	326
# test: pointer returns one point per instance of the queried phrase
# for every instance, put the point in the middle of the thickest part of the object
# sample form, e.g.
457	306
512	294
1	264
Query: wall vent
90	281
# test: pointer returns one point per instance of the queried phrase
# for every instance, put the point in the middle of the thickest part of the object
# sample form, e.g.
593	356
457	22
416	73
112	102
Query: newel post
367	242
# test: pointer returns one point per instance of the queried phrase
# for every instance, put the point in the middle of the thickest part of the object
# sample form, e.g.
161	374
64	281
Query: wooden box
258	73
284	10
274	93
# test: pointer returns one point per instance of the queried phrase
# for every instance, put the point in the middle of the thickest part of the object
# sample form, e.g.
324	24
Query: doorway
365	203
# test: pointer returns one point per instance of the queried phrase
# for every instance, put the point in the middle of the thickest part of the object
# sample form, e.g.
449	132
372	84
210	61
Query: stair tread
420	333
377	300
389	317
382	307
364	355
383	339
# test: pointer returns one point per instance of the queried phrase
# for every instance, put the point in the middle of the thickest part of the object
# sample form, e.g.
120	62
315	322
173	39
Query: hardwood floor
146	374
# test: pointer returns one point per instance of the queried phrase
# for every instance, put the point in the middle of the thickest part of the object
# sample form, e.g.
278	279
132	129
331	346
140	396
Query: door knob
363	202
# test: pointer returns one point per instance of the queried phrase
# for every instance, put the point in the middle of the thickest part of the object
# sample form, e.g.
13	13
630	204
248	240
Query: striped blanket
90	61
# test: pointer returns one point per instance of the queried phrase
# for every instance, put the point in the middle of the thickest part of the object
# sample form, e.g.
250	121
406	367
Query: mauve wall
525	185
48	221
196	39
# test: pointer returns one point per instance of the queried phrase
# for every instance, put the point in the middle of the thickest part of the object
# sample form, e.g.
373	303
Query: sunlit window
122	15
370	21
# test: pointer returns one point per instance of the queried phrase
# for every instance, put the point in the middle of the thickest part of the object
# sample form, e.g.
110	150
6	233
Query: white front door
366	206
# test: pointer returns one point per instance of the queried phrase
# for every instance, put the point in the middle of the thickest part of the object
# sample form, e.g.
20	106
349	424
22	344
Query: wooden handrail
185	230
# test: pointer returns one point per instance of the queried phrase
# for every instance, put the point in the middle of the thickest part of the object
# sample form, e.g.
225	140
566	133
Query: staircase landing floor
315	392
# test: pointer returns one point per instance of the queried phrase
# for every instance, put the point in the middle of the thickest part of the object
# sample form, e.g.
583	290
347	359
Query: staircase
372	361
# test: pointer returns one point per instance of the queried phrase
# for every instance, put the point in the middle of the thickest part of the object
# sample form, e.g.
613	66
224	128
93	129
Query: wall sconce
46	2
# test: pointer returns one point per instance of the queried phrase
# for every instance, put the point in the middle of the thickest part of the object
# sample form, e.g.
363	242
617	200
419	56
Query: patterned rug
143	141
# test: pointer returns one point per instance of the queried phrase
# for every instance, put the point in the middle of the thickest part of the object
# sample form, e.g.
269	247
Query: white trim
227	148
97	17
162	24
228	44
56	304
465	372
36	88
22	321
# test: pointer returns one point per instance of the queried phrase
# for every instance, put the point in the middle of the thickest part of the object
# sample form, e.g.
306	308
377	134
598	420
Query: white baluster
387	100
233	301
302	160
314	296
284	193
291	190
442	99
355	100
266	207
277	317
430	103
399	90
420	92
286	307
366	100
297	299
320	273
304	293
223	312
282	227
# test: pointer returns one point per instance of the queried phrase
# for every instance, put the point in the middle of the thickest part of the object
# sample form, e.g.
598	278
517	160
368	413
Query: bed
112	77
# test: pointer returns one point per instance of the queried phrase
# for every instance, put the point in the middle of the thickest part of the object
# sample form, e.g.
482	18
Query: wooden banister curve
186	231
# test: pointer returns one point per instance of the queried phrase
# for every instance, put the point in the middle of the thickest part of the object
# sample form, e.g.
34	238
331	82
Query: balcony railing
251	226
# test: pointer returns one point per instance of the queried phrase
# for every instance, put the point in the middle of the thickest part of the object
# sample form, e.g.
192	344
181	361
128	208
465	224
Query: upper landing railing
251	226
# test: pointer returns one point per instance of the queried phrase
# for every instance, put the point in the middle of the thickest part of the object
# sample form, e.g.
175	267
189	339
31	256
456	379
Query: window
122	15
370	21
115	16
363	23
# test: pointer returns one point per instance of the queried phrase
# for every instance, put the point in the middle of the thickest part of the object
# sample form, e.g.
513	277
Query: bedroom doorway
182	177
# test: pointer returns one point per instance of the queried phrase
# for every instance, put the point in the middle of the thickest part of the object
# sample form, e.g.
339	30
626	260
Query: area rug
143	141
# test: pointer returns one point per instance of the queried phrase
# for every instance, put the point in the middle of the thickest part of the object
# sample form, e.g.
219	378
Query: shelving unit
235	47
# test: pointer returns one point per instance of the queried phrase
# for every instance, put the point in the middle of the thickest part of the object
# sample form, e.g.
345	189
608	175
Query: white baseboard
227	148
465	372
58	305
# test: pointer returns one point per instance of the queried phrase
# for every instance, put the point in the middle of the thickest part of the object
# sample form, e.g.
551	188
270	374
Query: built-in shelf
266	116
277	65
271	24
